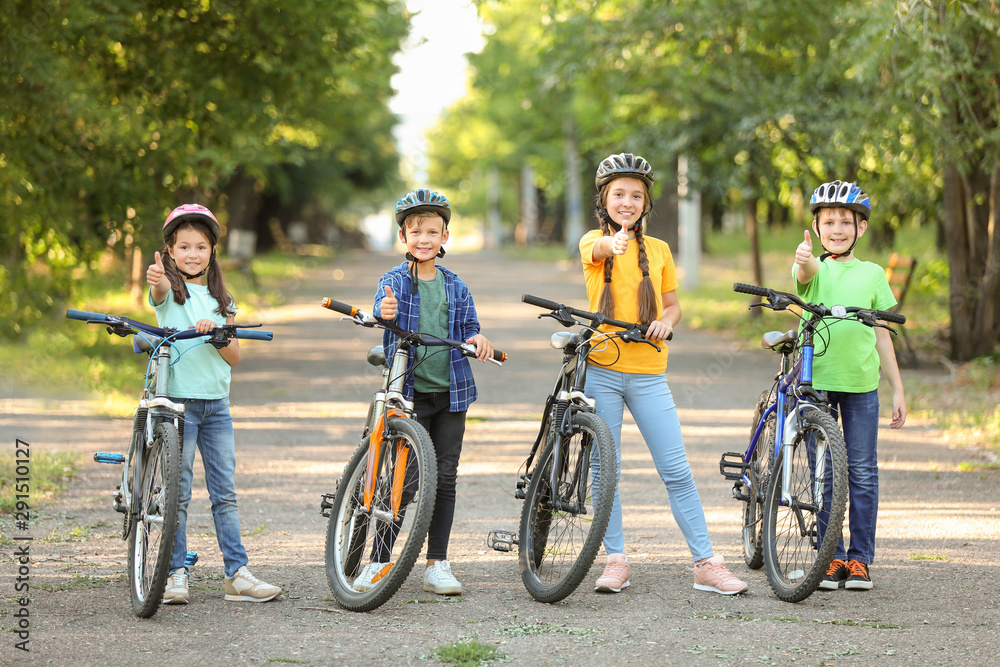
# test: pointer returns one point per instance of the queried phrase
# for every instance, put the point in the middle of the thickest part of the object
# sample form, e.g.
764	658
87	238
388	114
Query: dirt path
299	402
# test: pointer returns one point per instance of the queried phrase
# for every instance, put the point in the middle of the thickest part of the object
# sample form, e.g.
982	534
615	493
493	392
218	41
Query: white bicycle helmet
842	194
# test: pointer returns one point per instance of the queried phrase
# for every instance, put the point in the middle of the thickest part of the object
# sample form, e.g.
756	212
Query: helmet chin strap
835	255
413	267
192	276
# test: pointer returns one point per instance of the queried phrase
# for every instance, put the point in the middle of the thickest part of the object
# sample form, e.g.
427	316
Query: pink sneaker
712	575
615	575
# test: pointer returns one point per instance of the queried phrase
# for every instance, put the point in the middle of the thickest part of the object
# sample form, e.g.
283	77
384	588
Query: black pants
447	430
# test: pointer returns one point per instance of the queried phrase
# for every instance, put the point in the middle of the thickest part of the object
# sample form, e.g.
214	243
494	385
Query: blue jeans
858	415
208	425
652	406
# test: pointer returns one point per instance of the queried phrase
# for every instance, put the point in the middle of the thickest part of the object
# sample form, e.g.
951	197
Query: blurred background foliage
276	113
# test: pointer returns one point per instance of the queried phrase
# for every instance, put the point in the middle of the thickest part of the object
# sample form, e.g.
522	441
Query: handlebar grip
499	356
350	311
750	289
254	334
85	316
889	316
539	301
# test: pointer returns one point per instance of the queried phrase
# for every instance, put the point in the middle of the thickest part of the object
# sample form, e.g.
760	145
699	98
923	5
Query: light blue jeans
208	425
652	406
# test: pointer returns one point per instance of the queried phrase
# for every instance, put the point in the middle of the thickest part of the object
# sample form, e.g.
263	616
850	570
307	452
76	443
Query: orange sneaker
859	580
835	576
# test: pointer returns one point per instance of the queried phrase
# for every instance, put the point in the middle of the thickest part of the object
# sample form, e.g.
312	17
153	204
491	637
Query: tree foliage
115	111
770	99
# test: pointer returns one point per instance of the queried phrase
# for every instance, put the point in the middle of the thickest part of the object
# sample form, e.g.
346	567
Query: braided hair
648	305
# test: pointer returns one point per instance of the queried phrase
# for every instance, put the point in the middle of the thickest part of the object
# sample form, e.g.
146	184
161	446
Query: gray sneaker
176	591
244	587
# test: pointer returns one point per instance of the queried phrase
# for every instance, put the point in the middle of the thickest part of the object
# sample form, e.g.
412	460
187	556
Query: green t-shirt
846	358
197	370
433	373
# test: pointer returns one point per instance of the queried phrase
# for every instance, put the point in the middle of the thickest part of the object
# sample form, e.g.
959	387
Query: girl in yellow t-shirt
630	277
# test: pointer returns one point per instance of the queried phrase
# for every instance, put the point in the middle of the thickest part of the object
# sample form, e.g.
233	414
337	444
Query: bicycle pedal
105	457
501	540
326	504
190	559
732	466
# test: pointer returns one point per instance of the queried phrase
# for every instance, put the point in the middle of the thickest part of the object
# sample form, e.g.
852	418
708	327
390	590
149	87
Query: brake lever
633	336
562	317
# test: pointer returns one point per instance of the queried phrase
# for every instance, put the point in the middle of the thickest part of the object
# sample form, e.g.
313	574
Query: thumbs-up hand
156	276
389	304
804	252
619	242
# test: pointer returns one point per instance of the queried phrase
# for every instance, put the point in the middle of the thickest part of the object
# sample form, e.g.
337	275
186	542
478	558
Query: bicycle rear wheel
371	546
151	540
758	472
795	558
562	527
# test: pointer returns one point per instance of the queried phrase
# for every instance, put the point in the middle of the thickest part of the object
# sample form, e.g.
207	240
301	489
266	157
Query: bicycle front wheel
151	541
380	515
757	472
562	526
796	555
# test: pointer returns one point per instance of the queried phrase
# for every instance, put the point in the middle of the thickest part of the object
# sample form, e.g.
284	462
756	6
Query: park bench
899	272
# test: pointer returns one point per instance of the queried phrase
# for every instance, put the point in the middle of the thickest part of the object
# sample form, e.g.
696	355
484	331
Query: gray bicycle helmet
623	164
422	200
843	194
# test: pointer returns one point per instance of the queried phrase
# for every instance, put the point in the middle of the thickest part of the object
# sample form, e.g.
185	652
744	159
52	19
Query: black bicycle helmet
422	200
623	164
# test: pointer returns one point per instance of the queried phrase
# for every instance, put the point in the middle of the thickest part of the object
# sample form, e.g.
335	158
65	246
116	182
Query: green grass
921	556
50	473
470	652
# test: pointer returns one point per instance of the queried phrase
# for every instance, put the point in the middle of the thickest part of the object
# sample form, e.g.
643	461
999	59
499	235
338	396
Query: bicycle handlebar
367	319
780	300
596	318
237	331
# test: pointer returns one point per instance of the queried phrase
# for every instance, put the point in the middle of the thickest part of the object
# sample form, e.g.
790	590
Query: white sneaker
244	587
370	575
176	591
439	579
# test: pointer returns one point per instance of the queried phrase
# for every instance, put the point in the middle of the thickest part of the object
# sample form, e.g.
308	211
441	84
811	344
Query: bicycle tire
558	547
357	537
151	540
795	558
758	472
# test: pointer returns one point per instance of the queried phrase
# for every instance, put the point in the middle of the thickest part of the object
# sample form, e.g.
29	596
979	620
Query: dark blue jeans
858	416
447	430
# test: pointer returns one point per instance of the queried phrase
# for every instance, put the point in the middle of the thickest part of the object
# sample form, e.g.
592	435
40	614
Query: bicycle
566	507
792	478
149	492
382	506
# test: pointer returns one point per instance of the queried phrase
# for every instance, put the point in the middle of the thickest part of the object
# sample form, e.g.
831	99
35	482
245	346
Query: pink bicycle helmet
191	213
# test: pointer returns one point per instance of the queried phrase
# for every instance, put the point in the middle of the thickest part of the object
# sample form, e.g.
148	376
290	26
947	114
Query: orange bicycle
381	510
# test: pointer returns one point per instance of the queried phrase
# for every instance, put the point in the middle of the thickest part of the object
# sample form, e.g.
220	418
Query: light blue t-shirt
198	370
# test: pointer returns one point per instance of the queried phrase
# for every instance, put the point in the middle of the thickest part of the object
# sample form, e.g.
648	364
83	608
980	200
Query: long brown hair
216	285
648	306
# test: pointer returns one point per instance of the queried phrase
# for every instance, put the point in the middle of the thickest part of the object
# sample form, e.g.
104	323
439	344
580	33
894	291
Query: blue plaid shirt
463	323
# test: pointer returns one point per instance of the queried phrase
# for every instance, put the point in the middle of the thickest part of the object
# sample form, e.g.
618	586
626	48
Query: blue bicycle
792	478
149	492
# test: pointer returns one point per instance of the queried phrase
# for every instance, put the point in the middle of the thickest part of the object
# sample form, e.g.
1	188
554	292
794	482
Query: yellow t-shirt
625	279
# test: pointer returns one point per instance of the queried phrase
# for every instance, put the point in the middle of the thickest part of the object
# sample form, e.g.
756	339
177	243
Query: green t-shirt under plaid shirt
433	371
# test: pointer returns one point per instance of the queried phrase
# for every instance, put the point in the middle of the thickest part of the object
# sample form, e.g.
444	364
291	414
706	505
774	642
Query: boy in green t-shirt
847	362
422	296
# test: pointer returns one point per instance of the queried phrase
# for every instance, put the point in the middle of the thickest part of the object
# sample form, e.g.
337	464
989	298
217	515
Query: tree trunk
960	292
753	236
